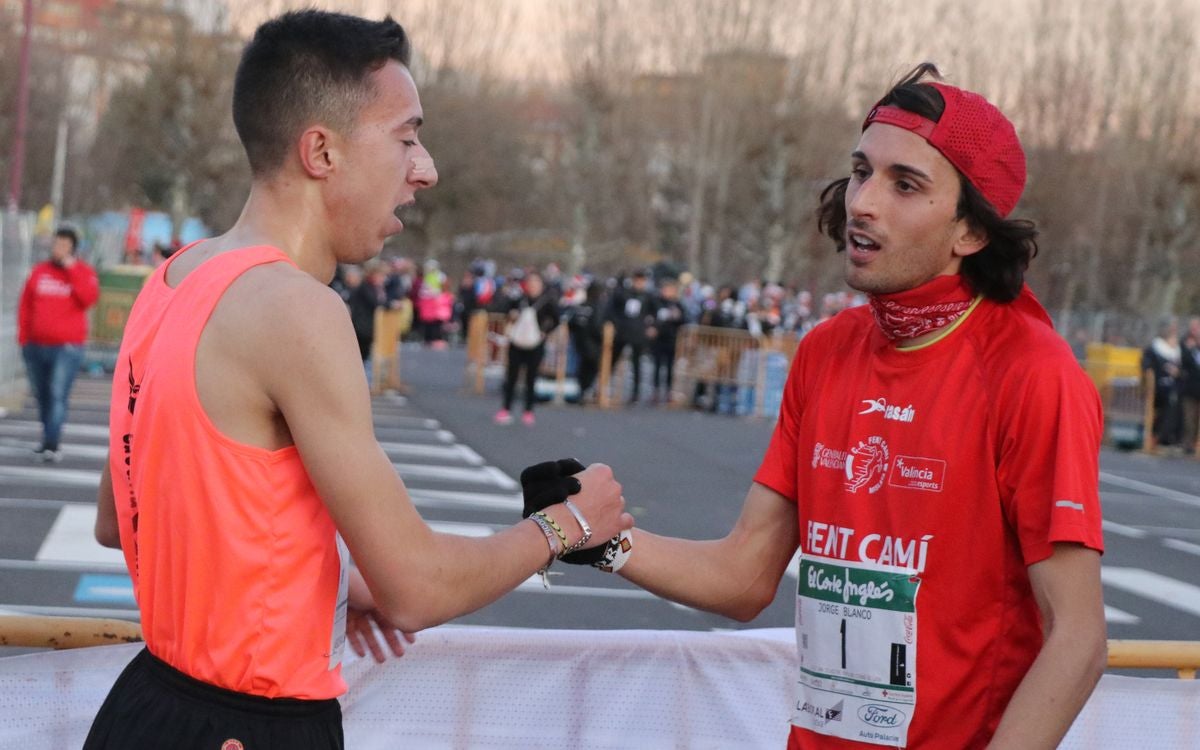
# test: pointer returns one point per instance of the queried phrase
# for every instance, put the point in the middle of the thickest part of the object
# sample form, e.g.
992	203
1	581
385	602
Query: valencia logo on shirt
918	473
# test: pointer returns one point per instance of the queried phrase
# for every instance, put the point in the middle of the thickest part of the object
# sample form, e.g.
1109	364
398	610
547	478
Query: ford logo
875	715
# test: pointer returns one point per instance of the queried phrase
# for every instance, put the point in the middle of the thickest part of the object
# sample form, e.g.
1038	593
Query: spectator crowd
648	306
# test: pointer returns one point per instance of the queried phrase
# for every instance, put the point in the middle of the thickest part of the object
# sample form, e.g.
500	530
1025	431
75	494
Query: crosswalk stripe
72	539
423	423
1120	617
49	475
1122	530
1182	546
61	566
462	529
470	475
1151	489
453	499
24	450
31	609
54	475
1159	588
70	432
424	450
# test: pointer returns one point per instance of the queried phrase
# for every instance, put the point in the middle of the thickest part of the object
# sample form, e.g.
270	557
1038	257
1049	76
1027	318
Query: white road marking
1159	588
29	609
471	475
425	450
1122	530
479	500
49	474
502	479
462	529
1151	489
1182	546
70	431
409	422
24	449
65	567
72	539
1120	617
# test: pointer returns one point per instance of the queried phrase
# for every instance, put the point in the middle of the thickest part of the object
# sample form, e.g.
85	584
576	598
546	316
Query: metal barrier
737	365
16	258
29	631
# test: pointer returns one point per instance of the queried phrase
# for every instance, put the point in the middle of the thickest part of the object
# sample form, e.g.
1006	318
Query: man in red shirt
52	328
935	462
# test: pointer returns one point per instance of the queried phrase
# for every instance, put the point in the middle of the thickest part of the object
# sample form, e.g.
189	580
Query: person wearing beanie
52	329
935	463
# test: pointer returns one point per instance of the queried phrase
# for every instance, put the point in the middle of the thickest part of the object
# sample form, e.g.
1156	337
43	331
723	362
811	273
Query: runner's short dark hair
998	270
306	67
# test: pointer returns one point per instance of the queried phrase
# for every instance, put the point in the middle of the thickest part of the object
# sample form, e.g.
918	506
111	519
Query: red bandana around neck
915	312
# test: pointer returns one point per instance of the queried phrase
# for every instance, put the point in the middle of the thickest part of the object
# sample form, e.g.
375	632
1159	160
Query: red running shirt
236	564
926	482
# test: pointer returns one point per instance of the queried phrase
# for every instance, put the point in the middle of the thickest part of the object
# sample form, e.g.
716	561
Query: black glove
551	482
548	483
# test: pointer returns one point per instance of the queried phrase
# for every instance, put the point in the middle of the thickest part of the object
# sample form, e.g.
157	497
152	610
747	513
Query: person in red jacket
52	329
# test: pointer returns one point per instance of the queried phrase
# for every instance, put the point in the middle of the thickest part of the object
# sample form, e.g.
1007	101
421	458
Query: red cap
977	139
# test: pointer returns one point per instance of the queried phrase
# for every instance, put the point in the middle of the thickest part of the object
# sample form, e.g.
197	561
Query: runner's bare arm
736	576
1069	595
107	531
309	366
362	612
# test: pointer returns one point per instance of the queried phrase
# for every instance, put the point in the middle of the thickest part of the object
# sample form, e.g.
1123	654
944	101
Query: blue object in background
105	589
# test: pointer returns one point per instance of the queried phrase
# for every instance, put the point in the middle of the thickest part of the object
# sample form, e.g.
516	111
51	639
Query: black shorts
153	705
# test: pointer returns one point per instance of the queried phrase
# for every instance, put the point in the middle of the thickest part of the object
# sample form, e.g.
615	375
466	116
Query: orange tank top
239	573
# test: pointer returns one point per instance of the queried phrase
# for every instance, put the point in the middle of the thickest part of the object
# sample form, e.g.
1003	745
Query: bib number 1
856	629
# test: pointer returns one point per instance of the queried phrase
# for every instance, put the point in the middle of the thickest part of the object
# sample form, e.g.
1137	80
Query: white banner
501	688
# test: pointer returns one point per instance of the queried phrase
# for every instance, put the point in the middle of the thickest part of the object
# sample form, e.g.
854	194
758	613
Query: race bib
338	638
633	307
856	630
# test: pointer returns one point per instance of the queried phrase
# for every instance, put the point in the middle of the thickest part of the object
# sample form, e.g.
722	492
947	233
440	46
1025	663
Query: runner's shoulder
279	300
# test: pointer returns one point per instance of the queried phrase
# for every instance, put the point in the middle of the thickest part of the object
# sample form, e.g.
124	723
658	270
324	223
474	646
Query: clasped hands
592	489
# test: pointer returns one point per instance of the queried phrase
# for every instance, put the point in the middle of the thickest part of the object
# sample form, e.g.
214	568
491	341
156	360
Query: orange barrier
390	326
1182	656
29	631
604	378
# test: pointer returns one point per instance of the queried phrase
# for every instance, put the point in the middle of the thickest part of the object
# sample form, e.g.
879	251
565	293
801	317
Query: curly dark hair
998	270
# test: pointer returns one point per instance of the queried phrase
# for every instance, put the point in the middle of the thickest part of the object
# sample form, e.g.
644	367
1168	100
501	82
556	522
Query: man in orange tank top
243	463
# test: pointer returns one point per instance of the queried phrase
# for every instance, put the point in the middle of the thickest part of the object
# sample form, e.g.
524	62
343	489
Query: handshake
553	482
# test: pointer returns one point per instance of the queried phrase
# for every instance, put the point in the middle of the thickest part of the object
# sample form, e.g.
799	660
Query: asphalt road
684	473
